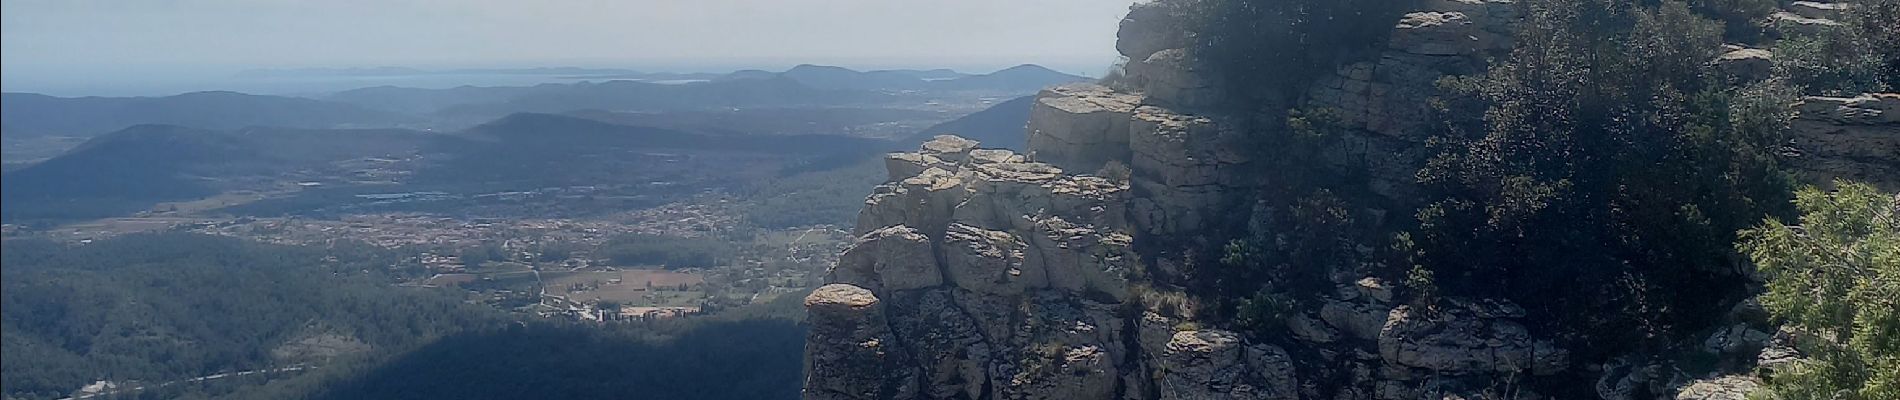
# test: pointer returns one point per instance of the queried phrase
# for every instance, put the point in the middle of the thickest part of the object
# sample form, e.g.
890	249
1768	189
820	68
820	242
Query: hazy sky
110	39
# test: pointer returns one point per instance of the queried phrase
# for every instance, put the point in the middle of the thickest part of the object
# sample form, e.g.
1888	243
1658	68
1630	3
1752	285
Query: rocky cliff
989	274
1855	138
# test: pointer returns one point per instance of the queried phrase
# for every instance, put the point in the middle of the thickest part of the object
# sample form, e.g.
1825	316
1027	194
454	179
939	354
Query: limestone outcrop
1856	138
982	273
1383	102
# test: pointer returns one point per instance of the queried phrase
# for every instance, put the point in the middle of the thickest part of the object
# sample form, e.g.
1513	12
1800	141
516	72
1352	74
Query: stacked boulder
991	276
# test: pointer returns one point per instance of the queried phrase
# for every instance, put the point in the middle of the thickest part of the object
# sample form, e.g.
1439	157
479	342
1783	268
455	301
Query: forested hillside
160	308
147	311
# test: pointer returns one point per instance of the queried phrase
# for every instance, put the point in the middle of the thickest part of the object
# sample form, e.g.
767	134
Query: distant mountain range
804	86
407	71
801	86
134	168
1027	77
620	95
138	167
1004	125
847	121
36	114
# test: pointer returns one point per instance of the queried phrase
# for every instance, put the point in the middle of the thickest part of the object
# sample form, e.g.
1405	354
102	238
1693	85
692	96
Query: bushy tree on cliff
1836	279
1861	54
1606	179
1268	50
1265	53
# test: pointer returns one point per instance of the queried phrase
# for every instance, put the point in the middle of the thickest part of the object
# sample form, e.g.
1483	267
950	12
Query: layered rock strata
989	274
1855	138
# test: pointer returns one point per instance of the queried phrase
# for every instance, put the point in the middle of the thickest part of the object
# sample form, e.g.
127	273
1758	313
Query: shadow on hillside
754	359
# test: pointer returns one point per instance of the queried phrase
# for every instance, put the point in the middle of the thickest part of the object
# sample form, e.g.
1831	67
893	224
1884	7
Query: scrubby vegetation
1835	279
1537	202
157	308
1860	55
1598	174
1268	50
1265	53
826	196
138	309
666	251
755	359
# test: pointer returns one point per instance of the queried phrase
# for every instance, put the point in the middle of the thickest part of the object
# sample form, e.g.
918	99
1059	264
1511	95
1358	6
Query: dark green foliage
138	167
1292	250
831	196
756	359
1303	227
1861	55
666	251
1265	52
163	307
1742	19
485	253
1608	174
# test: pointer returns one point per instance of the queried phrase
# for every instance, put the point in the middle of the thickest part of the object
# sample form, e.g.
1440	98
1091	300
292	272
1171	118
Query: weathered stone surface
924	202
1081	126
1819	10
1750	64
1071	348
1151	26
1721	388
1171	77
950	148
951	352
1311	330
1363	321
889	259
1866	109
991	156
1780	351
1622	378
1376	289
906	165
1214	364
1082	260
1013	196
1466	339
1792	23
850	352
1854	138
988	262
1738	340
1037	276
1184	168
1442	33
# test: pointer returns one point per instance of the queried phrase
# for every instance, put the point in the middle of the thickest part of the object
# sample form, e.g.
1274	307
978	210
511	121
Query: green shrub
1604	183
1836	278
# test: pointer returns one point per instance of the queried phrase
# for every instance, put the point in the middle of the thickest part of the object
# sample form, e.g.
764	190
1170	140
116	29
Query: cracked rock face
851	353
1722	388
1215	364
1856	138
988	274
981	273
1466	339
